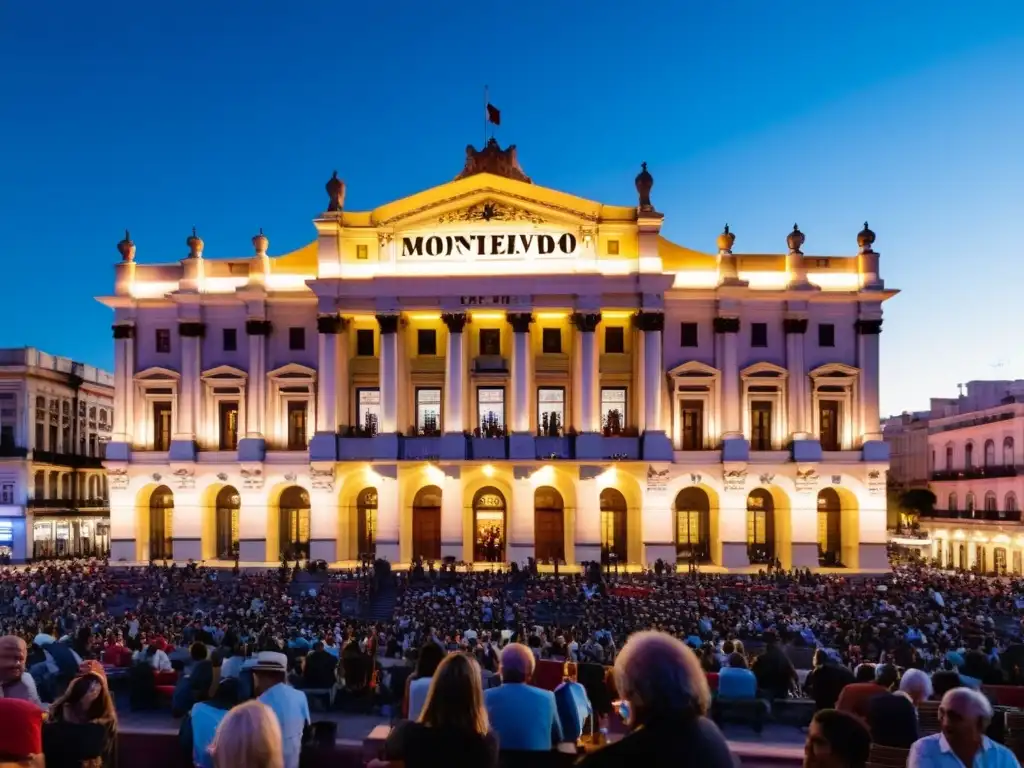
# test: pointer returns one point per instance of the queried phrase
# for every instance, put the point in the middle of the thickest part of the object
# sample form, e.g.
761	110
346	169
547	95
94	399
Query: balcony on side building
69	504
974	473
975	515
72	460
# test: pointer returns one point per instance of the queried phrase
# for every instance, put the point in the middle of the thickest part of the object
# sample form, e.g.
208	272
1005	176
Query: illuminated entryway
760	527
294	523
614	527
366	523
549	525
693	523
228	506
488	525
830	528
161	515
426	524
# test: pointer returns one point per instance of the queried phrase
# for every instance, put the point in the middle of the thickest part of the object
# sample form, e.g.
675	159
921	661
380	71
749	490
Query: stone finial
335	193
795	240
865	239
726	240
127	248
195	245
644	183
260	243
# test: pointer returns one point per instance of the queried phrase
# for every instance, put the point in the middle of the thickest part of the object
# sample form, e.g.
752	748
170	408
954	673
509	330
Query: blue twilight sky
230	116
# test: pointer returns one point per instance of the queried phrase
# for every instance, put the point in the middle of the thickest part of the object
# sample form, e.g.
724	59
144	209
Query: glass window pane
428	411
368	410
613	409
491	407
550	411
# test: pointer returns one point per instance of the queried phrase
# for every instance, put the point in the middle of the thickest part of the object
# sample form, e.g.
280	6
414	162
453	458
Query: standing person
524	717
15	681
290	705
248	737
836	740
774	671
453	728
826	680
82	726
21	734
964	715
665	699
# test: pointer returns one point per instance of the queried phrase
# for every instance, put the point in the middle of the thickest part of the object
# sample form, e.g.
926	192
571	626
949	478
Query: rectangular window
426	341
296	339
490	409
7	436
759	334
163	340
551	341
230	340
614	340
760	426
692	426
367	411
40	436
613	410
613	247
490	341
826	335
551	411
7	493
362	252
162	426
688	335
828	424
297	411
364	342
228	426
92	445
428	411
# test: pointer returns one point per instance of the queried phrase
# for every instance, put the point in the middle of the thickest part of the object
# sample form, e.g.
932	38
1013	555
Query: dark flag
493	114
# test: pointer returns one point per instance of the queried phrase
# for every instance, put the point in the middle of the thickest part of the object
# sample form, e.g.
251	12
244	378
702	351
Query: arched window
949	458
489	525
1010	502
969	505
366	523
549	524
229	504
829	528
693	513
990	502
294	522
990	453
613	527
951	504
161	514
426	524
1008	458
969	456
760	527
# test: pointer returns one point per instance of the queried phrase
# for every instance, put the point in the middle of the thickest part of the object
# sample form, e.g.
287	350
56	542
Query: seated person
320	668
736	681
524	718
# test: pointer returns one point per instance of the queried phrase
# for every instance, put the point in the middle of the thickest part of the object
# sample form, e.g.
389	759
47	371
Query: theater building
491	370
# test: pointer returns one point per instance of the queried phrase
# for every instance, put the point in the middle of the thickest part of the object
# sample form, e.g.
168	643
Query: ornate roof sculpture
493	159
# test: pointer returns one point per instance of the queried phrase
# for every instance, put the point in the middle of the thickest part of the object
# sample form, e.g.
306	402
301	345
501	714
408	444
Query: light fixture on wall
488	470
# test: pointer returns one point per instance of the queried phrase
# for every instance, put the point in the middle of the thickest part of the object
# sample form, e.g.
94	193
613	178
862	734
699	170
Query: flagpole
486	102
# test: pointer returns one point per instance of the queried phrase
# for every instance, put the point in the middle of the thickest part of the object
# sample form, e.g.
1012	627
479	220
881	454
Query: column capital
330	324
455	321
192	330
794	325
123	331
520	321
868	327
258	327
649	321
585	322
388	323
726	325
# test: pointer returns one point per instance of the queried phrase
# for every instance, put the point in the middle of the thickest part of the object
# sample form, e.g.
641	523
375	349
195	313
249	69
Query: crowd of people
456	631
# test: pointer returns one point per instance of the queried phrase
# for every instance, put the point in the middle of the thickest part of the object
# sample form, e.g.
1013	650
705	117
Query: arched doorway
366	523
962	552
294	518
999	561
426	524
830	528
228	505
614	541
760	527
488	525
980	560
161	514
549	525
693	523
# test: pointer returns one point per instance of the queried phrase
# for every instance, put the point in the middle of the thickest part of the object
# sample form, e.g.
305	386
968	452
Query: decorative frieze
586	322
520	321
456	321
388	323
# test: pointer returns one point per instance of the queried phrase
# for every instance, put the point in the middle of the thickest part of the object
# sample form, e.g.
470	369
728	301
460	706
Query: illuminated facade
491	370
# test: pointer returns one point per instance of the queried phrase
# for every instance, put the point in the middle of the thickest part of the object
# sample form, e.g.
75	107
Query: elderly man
665	698
525	718
290	705
964	714
15	681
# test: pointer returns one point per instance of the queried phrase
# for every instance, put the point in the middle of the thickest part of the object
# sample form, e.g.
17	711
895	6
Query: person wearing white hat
291	707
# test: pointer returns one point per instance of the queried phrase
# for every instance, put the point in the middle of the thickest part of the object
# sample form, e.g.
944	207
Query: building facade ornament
258	327
520	321
726	324
123	331
191	329
493	159
795	241
649	321
726	241
866	239
335	193
868	327
195	245
794	325
455	321
330	324
644	183
586	322
388	323
126	248
490	210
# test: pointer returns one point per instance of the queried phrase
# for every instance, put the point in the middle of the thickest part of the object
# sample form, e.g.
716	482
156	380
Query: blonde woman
453	726
248	737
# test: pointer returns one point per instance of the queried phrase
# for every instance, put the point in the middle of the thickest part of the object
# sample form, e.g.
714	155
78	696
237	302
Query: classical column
734	446
328	327
521	377
454	373
388	515
587	534
585	386
521	524
732	528
191	333
388	373
124	385
803	529
452	540
868	330
343	399
323	514
253	522
187	525
656	443
794	329
251	448
125	536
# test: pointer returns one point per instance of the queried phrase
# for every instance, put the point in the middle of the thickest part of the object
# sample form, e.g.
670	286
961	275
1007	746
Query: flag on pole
493	114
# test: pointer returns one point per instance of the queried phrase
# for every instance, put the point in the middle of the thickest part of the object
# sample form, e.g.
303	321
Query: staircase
382	607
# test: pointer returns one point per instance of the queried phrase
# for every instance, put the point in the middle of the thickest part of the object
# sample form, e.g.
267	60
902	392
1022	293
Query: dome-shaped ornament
335	193
726	240
865	239
644	184
795	240
195	244
126	248
260	242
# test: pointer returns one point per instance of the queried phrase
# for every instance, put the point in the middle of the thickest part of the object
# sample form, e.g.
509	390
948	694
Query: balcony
420	448
493	364
13	452
974	473
69	504
977	515
72	460
613	447
488	448
555	447
380	446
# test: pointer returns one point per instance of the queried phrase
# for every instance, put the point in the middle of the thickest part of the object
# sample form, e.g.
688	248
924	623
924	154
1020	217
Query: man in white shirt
289	705
964	714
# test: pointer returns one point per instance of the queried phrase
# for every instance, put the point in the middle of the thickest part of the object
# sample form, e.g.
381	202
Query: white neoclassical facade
490	370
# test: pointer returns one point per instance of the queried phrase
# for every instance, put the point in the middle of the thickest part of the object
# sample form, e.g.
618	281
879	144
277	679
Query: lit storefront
67	536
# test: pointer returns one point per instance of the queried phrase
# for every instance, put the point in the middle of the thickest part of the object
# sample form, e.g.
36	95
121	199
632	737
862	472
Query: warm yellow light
488	470
371	475
552	315
488	315
608	477
426	316
435	474
616	314
543	476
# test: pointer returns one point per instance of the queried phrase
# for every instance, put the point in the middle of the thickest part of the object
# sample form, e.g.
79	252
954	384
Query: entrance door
829	528
294	529
489	526
549	525
426	524
161	512
760	527
614	544
366	523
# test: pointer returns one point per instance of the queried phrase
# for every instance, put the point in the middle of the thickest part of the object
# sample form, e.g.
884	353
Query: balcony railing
974	473
984	515
68	459
13	451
